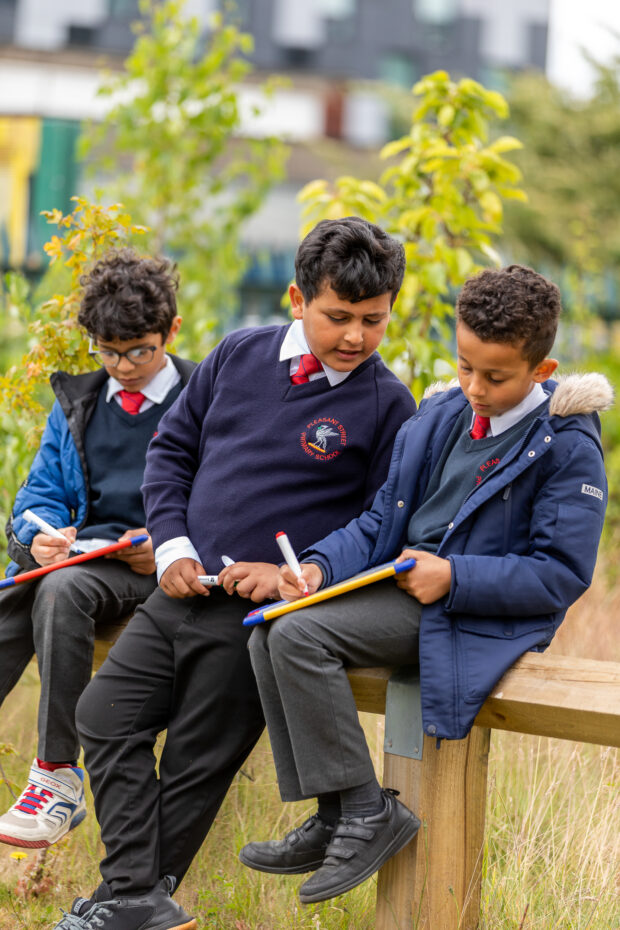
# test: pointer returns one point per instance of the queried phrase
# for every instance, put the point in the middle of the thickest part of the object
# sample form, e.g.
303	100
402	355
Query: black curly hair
515	305
126	296
355	258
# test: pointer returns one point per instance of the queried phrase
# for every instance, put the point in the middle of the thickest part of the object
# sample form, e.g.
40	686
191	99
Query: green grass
551	853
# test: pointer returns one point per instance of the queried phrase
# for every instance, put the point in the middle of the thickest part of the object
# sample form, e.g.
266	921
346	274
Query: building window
337	9
435	11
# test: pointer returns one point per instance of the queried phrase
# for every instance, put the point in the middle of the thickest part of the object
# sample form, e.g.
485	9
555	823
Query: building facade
333	52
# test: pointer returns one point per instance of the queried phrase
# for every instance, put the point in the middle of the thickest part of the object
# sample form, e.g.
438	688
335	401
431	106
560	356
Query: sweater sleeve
173	455
564	534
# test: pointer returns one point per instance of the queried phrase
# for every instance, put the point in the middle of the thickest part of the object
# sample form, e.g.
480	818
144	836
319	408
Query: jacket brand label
592	491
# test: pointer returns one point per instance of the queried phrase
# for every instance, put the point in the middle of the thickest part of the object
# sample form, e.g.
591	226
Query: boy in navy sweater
85	481
497	489
281	426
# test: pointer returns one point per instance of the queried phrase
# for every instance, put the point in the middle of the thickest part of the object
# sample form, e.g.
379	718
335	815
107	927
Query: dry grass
591	628
552	847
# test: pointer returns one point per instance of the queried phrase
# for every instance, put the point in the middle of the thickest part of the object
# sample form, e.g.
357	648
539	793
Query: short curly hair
126	295
353	257
515	305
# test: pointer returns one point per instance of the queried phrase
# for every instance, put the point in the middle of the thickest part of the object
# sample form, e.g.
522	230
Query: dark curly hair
515	305
126	296
355	258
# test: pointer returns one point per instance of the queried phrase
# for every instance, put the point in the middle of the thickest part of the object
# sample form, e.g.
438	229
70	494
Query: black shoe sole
404	836
283	870
190	924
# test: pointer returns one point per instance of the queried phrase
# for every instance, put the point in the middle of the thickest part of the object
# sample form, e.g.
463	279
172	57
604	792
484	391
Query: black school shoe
301	850
360	846
152	911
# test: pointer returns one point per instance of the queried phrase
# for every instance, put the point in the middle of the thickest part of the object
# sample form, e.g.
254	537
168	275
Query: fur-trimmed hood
572	394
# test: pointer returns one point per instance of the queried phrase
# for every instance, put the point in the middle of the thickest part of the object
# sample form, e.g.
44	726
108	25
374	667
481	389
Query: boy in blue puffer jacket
497	489
85	482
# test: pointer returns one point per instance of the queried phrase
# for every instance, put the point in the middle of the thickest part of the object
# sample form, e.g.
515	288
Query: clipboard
271	611
75	560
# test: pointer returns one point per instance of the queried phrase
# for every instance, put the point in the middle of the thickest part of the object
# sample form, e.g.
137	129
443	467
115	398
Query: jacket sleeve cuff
323	565
456	598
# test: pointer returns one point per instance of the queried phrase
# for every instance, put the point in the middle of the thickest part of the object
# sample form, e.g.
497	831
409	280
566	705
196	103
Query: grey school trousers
300	662
56	619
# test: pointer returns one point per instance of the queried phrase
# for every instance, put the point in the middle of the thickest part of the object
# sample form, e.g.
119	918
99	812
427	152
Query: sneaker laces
89	921
32	799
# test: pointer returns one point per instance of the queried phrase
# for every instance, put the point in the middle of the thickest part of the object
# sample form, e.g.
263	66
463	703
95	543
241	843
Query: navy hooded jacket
522	547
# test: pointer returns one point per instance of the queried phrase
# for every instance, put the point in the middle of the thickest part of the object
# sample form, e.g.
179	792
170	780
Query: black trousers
181	666
56	617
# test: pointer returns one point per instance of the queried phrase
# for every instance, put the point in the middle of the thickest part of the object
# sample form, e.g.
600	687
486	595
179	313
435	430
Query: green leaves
188	172
442	194
84	235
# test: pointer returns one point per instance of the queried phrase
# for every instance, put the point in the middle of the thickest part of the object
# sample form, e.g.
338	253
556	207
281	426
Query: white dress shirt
155	392
295	345
504	421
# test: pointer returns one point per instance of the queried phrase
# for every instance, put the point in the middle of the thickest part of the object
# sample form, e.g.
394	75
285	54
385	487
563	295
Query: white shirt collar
157	389
504	421
295	345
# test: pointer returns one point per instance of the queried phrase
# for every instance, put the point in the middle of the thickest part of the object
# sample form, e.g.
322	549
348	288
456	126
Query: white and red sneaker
51	805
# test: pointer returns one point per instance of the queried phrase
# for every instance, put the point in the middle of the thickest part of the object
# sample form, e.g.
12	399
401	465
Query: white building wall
43	24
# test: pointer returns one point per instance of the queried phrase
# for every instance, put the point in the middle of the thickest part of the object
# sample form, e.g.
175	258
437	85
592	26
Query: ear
297	302
174	330
544	370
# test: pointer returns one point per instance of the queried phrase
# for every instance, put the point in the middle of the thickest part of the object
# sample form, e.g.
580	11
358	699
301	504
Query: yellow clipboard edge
342	587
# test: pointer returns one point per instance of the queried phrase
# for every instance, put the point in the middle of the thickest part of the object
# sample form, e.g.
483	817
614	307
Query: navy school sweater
243	453
115	446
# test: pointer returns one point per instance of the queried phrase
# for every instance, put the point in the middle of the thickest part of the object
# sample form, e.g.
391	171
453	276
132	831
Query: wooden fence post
434	883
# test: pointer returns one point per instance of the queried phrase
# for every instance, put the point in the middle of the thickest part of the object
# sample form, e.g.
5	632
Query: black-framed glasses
141	355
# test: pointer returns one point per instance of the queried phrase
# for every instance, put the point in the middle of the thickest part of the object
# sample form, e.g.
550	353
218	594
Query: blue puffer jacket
57	485
522	547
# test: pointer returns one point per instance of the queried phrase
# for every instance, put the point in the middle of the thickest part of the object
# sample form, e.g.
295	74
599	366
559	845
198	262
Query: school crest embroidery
324	438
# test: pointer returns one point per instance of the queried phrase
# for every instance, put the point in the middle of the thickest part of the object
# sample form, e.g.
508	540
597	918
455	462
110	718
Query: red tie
308	365
480	427
131	401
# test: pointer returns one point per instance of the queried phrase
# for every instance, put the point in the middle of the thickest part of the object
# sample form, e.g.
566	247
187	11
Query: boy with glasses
85	481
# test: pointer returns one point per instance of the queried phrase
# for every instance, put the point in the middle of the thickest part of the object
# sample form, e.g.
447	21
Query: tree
55	341
442	193
570	166
172	147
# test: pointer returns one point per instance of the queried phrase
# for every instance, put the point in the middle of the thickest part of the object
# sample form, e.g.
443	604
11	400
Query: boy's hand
256	580
429	579
139	558
181	579
291	587
46	550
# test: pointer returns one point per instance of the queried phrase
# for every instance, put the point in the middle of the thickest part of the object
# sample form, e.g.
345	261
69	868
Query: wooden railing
434	883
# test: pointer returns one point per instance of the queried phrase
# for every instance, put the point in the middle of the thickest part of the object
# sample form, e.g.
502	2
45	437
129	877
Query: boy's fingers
230	576
180	579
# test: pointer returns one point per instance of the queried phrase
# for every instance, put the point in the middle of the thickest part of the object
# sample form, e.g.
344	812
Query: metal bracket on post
404	735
